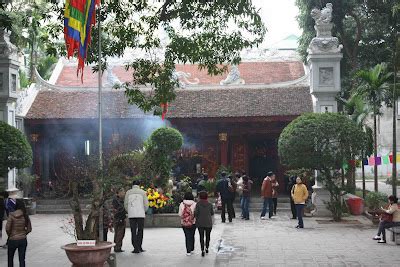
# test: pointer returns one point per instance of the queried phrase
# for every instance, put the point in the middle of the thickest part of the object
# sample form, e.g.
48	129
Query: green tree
15	151
208	33
358	111
375	91
159	148
310	142
364	28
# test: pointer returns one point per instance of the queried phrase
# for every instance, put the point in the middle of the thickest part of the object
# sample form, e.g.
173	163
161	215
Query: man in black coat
226	191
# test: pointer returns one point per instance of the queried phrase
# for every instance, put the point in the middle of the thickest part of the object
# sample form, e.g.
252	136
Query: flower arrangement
156	199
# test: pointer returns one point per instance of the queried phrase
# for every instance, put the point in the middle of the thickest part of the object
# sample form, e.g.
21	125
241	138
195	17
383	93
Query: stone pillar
324	61
223	145
9	83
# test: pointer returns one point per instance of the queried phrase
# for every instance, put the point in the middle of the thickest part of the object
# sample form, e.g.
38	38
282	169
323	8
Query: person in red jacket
266	194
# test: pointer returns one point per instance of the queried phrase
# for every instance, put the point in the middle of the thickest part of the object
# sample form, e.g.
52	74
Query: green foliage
374	89
166	139
157	161
128	164
210	186
45	66
375	200
26	182
367	30
320	141
15	151
222	168
208	33
23	80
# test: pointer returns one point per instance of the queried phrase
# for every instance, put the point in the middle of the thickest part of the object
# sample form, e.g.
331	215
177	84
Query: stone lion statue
323	16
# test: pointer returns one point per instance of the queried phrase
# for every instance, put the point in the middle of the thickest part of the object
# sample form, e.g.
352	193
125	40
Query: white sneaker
188	254
376	238
263	218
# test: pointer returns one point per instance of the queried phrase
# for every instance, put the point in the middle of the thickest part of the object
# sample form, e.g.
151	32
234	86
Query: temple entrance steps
59	206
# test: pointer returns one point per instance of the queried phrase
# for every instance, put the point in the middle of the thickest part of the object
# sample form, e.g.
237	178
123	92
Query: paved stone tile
245	243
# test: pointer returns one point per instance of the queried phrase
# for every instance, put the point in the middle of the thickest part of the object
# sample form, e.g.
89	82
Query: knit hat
203	195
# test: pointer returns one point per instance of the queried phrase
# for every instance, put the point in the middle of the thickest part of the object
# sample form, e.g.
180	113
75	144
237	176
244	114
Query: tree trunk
363	179
77	212
375	155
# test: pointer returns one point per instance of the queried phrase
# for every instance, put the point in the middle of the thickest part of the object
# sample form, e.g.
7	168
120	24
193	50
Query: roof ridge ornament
183	79
233	77
324	42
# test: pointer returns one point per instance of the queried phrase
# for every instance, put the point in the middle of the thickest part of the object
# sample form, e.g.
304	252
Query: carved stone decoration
7	49
183	79
112	79
326	76
324	42
233	77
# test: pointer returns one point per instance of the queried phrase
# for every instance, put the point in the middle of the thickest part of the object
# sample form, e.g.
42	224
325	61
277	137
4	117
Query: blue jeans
245	203
267	202
299	212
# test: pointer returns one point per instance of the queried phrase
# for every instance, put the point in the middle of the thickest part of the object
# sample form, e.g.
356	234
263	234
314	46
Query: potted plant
210	186
374	201
85	177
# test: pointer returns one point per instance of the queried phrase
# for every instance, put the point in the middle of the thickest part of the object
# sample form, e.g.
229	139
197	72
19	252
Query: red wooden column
223	144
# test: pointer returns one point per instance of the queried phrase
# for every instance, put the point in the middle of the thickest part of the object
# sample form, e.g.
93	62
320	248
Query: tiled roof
189	103
251	72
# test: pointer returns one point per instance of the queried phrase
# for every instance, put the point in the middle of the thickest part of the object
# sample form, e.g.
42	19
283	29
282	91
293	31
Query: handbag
386	217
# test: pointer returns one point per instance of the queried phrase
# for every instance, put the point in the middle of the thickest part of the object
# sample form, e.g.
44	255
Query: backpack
187	219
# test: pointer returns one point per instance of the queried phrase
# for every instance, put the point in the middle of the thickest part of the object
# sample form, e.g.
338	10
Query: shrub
15	151
374	200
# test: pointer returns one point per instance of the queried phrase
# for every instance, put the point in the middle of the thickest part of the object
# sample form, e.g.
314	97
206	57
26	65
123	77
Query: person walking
245	200
188	221
291	183
392	213
136	204
266	194
11	200
119	219
204	213
224	188
18	227
275	187
239	190
299	194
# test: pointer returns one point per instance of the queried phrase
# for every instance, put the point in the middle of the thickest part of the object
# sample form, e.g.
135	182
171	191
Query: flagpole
101	223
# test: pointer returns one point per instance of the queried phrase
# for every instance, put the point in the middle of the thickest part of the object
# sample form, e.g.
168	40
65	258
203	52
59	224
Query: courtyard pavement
272	242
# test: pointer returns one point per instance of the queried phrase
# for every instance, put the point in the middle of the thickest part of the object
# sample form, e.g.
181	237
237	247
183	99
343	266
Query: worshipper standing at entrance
275	186
188	221
245	201
204	213
225	189
299	194
136	204
391	219
266	194
119	219
291	183
18	227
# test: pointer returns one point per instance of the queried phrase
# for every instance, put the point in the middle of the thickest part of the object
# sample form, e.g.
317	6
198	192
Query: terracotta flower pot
88	256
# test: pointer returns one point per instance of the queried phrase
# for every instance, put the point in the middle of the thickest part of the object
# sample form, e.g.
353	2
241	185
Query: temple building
233	120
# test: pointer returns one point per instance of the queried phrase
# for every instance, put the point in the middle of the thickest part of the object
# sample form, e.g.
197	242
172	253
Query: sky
279	16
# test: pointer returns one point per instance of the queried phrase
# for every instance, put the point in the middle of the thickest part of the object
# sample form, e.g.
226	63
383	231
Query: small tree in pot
322	141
